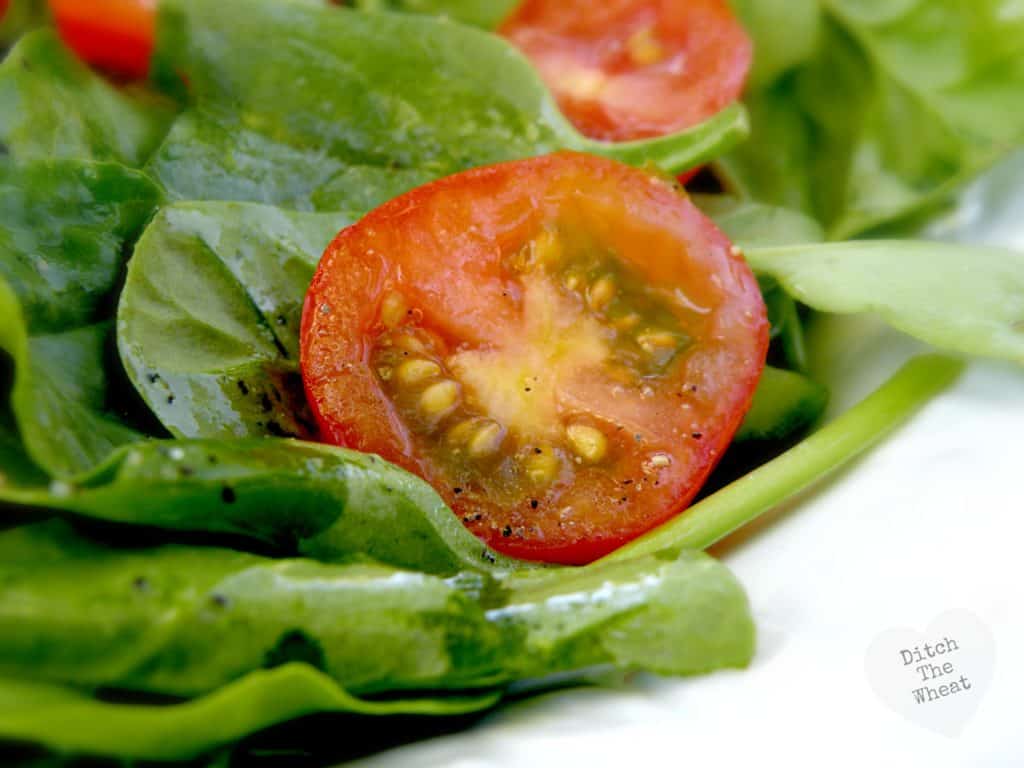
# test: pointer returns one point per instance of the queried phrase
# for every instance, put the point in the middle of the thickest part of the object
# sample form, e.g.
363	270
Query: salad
373	362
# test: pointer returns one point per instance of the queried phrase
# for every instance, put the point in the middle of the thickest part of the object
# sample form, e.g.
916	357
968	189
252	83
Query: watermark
935	678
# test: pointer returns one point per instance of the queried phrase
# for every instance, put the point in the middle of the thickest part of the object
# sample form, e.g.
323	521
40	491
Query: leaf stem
680	152
850	434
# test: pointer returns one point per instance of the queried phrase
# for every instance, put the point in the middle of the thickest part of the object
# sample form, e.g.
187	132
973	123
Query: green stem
832	446
680	152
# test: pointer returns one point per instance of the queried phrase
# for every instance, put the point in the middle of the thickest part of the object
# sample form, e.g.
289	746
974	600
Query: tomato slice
562	346
114	35
631	69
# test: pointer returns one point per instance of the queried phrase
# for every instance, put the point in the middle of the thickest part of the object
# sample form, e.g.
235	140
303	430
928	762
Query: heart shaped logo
934	678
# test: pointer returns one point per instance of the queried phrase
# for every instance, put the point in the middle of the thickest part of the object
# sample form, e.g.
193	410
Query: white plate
931	521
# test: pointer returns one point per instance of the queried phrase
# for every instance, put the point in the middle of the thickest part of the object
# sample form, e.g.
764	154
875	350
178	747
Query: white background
930	521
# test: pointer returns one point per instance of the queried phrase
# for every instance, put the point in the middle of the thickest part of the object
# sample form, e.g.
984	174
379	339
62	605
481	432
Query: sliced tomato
562	346
630	69
3	8
113	35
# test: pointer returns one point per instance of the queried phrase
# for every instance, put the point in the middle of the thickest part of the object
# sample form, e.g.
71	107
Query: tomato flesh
631	69
113	35
562	346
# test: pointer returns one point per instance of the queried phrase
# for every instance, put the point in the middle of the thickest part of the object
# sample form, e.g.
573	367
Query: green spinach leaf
678	616
785	403
675	615
486	14
785	34
16	467
901	103
756	225
184	621
59	399
208	322
964	299
179	620
67	720
66	227
335	109
53	106
20	16
323	502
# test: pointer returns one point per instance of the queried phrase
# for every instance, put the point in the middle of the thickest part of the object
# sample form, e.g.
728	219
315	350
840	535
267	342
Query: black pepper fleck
534	503
506	531
227	493
456	490
242	387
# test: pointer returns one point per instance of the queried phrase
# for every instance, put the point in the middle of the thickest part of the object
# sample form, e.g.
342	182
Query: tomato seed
547	249
393	309
541	466
487	440
416	371
587	442
644	48
601	293
440	399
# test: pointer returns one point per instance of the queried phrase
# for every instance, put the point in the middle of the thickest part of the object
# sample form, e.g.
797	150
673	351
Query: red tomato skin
3	8
705	59
461	296
116	36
